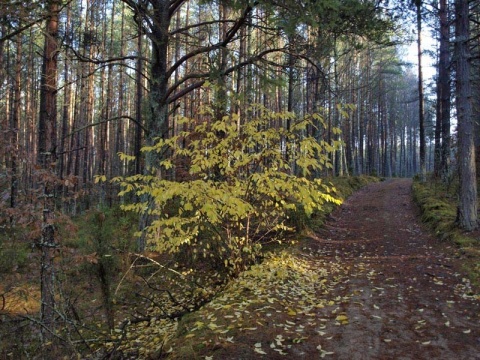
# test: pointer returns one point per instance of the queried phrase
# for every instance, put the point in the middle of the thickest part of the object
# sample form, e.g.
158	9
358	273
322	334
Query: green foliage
104	232
13	255
103	241
240	186
106	236
340	18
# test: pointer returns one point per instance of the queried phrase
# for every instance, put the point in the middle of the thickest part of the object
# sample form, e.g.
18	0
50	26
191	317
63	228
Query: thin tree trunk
421	115
46	160
138	105
66	101
443	95
118	146
15	124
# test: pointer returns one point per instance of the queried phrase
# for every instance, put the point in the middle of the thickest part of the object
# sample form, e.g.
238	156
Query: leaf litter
314	297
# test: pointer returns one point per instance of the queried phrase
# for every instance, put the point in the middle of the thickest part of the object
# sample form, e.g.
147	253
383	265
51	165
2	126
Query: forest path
373	284
412	301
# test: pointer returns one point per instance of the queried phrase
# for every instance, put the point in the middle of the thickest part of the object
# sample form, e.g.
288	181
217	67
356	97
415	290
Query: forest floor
373	284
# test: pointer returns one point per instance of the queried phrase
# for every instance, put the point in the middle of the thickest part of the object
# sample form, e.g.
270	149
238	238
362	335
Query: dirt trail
372	285
413	303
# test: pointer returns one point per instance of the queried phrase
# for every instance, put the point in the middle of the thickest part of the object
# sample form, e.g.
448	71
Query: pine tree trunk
467	208
46	160
444	90
15	123
421	115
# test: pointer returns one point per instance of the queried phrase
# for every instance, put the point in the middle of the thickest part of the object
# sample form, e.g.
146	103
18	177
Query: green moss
439	211
464	242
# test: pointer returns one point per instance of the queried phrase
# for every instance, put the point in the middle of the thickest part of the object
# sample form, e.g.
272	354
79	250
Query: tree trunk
138	105
443	94
15	123
157	121
46	160
421	115
467	208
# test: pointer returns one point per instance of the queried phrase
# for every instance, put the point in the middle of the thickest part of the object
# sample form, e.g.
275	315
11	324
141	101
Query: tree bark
46	160
467	208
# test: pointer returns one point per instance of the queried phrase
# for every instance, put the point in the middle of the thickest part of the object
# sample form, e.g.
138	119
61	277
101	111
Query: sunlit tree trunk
66	111
118	126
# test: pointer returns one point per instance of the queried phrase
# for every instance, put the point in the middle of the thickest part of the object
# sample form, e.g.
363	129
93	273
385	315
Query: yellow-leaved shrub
242	181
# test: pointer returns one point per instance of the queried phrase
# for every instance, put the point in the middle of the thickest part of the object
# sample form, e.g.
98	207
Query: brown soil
396	292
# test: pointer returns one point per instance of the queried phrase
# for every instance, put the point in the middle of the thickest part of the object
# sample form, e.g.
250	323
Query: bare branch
228	38
200	83
106	121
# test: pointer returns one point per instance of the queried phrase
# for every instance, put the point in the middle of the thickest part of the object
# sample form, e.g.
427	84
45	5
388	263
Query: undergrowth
438	204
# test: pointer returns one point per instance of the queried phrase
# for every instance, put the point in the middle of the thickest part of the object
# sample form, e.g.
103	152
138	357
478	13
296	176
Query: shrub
240	186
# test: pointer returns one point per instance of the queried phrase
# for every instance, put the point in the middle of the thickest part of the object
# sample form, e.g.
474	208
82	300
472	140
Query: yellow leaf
260	351
343	319
291	312
99	178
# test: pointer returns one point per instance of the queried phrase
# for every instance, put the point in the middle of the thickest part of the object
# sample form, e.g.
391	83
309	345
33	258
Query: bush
240	187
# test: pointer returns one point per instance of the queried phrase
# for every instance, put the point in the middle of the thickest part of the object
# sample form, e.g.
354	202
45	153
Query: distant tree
15	123
421	102
443	89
